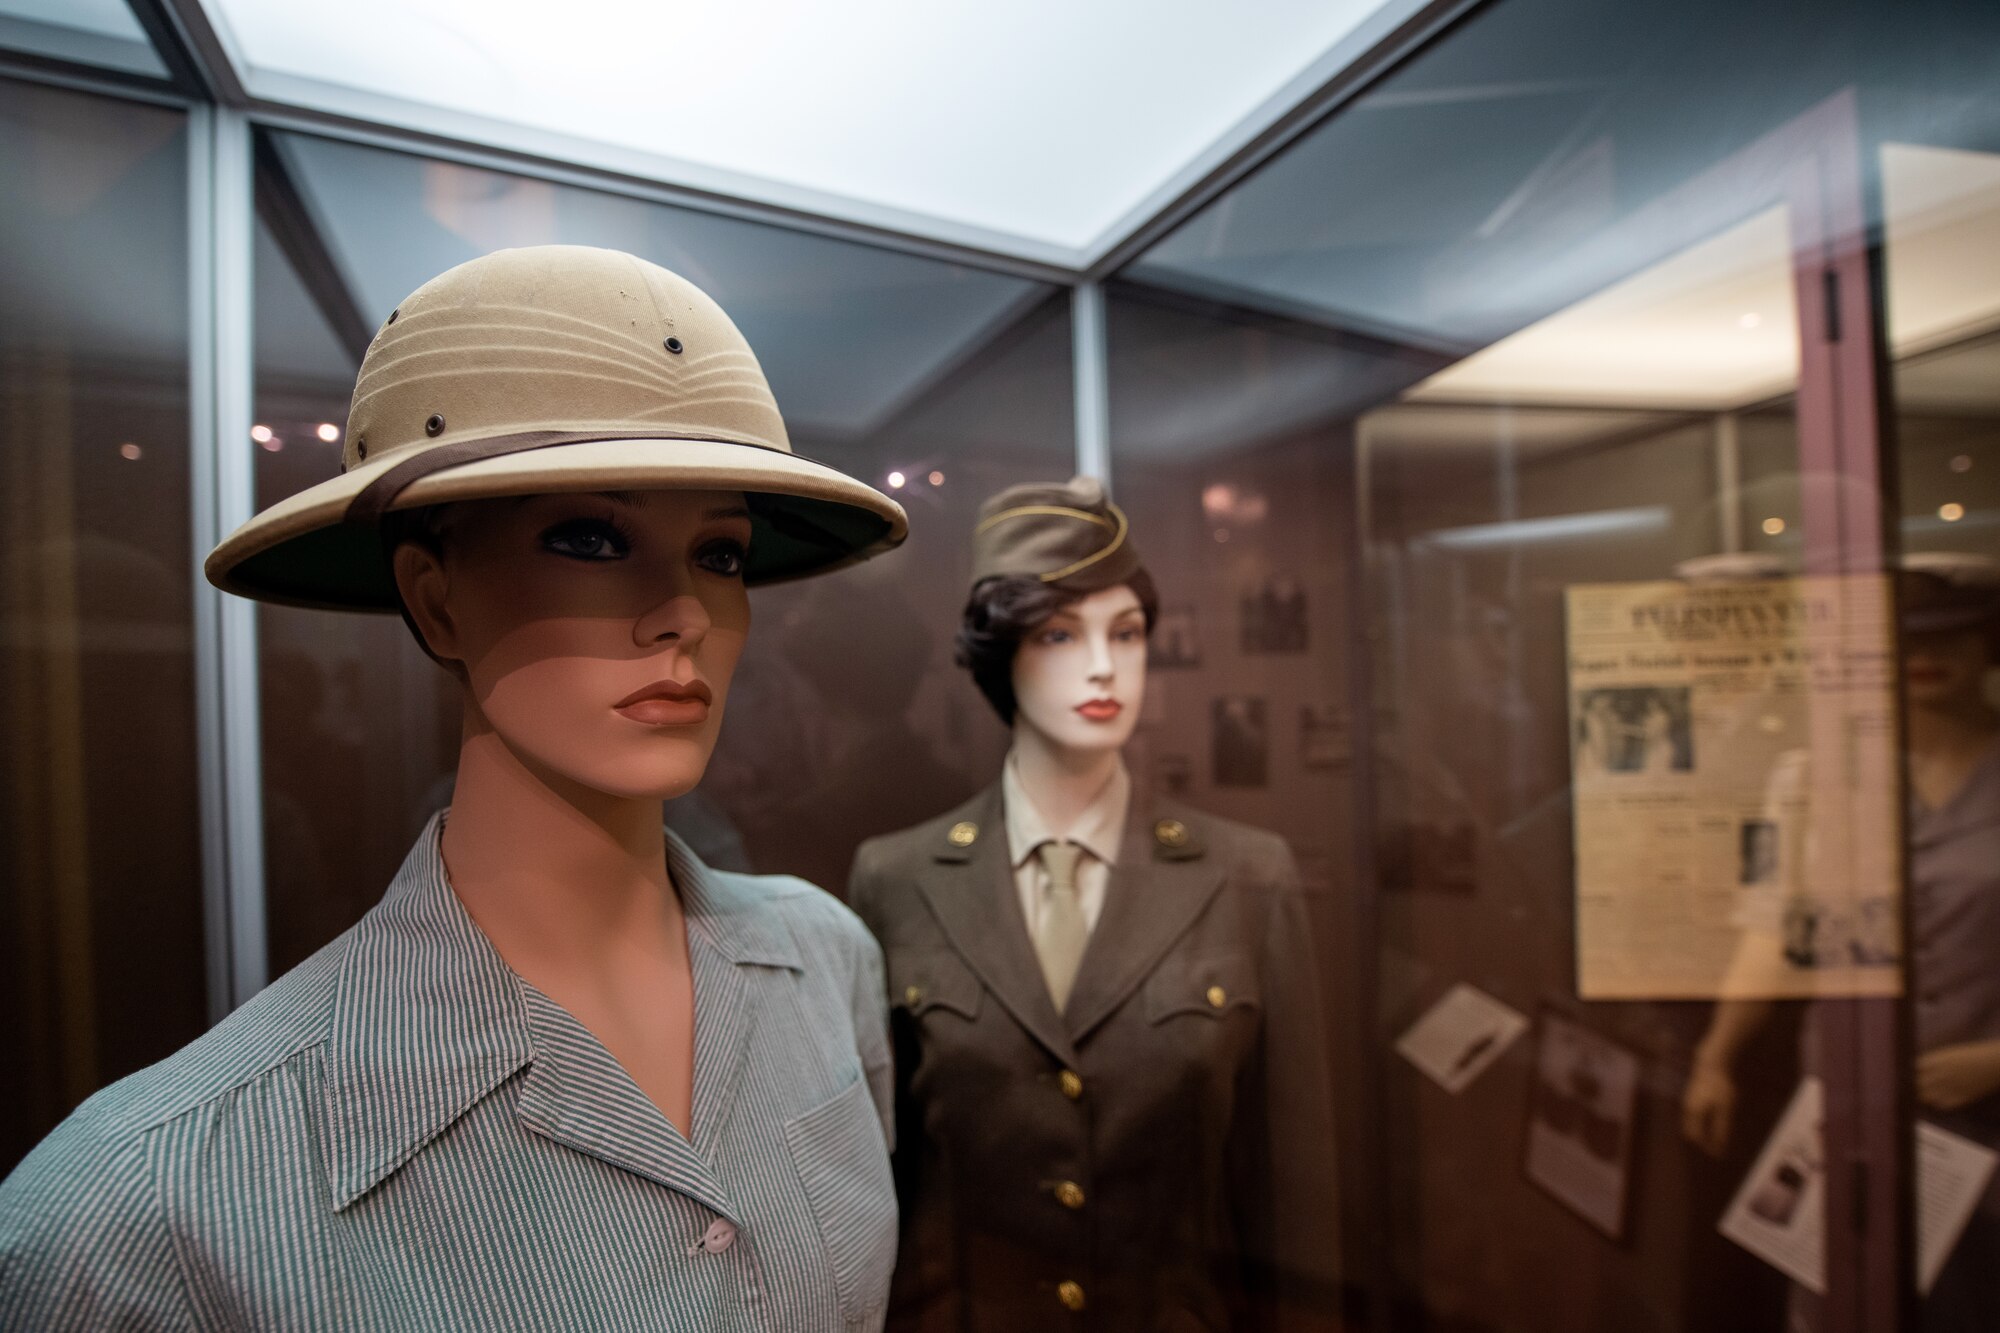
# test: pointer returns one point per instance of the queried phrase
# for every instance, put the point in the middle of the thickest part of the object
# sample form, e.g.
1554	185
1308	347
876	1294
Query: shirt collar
1099	828
428	1018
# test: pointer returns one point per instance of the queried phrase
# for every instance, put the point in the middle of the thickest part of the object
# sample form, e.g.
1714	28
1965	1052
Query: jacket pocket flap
1212	986
921	982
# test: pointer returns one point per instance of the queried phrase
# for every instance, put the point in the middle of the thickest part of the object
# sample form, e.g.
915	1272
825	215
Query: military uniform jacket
1157	1156
402	1133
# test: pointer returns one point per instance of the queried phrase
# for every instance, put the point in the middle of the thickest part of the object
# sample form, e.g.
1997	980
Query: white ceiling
1040	128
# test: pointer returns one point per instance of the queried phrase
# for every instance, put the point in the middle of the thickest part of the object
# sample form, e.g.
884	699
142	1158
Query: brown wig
1005	609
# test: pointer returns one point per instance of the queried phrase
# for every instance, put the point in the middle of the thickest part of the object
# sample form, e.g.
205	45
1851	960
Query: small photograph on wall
1173	775
1242	741
1274	617
1323	740
1634	729
1586	1095
1176	641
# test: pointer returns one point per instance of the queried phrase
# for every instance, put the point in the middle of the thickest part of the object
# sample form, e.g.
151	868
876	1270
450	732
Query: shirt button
721	1234
1069	1194
1070	1295
1071	1084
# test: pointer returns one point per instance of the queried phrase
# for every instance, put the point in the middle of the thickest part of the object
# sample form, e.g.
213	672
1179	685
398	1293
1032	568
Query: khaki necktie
1060	928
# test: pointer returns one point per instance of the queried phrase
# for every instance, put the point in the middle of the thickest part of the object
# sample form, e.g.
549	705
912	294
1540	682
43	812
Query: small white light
1951	511
1961	463
129	451
896	480
272	444
1749	320
1773	526
937	478
328	431
260	433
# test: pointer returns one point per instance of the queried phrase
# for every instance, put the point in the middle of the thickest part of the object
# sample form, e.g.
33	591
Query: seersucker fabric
402	1133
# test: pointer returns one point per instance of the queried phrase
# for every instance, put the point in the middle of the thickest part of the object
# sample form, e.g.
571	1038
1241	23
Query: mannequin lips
667	703
1101	710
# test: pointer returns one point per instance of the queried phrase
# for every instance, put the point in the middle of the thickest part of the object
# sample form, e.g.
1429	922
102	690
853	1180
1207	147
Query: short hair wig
1005	609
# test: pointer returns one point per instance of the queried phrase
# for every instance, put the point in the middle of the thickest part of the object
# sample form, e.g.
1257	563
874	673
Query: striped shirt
403	1133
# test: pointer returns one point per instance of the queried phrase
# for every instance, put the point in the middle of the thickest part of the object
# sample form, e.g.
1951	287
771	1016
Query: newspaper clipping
1733	754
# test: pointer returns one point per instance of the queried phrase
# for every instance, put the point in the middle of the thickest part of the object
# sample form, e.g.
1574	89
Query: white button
721	1234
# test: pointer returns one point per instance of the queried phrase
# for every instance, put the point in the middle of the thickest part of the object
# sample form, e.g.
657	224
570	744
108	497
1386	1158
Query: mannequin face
1945	667
596	633
1080	676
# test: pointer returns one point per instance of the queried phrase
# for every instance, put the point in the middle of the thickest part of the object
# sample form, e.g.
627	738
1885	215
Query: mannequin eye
588	539
1052	637
1128	634
726	558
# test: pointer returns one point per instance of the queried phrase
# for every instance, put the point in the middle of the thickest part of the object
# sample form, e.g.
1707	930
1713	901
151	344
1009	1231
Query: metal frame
221	491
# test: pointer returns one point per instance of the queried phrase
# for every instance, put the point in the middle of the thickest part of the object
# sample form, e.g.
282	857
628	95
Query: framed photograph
1323	736
1580	1121
1173	775
1176	641
1241	740
1274	617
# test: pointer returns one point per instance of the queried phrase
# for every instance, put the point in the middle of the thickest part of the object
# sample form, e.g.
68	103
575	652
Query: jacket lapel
1162	883
971	893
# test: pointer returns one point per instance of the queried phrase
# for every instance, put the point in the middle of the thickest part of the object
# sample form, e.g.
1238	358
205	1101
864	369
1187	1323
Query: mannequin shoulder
1254	852
819	922
889	857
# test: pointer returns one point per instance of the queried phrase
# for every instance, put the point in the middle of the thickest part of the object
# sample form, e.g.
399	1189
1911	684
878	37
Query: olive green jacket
1158	1156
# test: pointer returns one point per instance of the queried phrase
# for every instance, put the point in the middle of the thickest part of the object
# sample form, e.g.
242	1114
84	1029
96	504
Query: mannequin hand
1954	1076
1708	1104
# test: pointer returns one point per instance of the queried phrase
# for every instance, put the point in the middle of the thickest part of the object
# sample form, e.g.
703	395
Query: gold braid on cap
1060	511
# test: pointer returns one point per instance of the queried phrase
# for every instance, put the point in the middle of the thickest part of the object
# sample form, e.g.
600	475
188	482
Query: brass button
1070	1295
1171	833
963	834
913	995
1071	1085
1217	997
1069	1194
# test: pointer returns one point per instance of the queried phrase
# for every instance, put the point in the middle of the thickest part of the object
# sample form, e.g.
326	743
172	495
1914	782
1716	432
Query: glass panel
830	124
888	366
1940	190
1595	388
101	959
84	32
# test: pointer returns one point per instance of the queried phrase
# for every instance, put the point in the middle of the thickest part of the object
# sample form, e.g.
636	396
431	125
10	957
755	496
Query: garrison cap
1067	534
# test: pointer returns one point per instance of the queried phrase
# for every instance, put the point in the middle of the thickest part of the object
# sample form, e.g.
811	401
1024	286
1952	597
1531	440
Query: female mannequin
1949	607
563	1075
1112	1092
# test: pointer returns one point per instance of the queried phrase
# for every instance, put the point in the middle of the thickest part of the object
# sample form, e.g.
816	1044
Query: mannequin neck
554	872
1950	726
1062	782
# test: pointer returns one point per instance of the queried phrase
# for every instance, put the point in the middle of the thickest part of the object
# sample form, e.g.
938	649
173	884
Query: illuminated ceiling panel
1038	128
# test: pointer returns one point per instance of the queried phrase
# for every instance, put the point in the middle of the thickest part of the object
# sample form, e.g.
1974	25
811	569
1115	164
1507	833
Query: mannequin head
1946	669
1055	662
595	634
1949	606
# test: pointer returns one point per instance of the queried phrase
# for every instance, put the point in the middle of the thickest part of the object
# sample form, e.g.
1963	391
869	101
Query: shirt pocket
843	1163
1211	987
922	984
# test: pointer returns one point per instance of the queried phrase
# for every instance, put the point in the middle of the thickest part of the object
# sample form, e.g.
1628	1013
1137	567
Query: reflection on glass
851	720
84	32
101	953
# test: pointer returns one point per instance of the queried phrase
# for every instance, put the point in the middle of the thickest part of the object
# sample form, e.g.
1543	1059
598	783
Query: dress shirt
1099	829
402	1132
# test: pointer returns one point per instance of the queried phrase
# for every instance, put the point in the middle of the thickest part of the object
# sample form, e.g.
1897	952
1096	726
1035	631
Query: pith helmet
552	368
